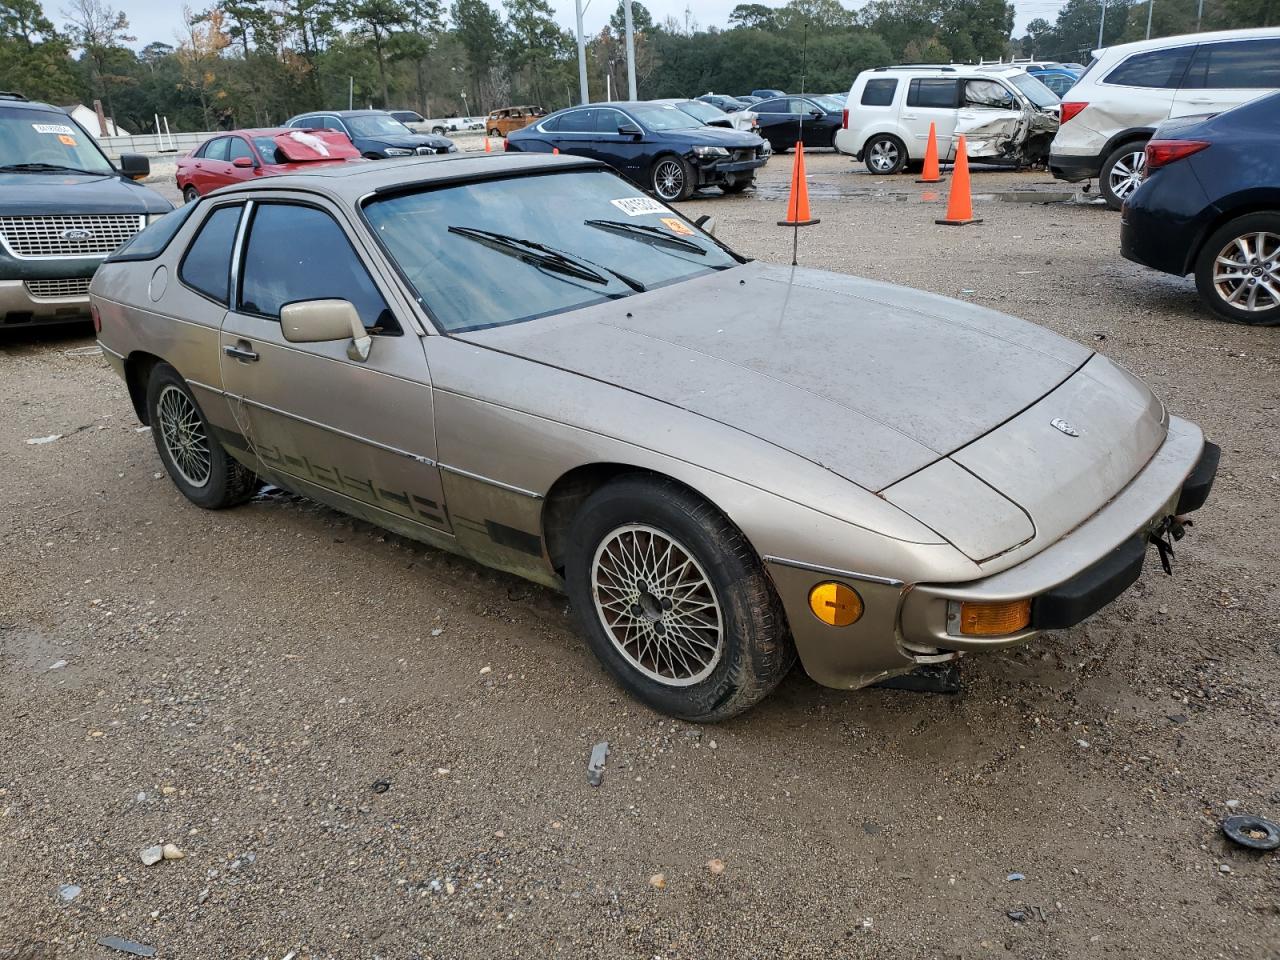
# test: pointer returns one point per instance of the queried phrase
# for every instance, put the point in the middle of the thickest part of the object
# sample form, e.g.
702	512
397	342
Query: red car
241	155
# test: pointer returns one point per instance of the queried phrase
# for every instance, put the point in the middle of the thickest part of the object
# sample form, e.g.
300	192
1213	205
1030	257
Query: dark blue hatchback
656	145
1211	205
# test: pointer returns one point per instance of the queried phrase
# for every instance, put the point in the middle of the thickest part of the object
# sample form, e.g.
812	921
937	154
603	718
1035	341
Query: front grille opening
68	235
53	289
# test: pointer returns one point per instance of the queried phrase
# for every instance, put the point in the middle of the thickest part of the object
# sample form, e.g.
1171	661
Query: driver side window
987	94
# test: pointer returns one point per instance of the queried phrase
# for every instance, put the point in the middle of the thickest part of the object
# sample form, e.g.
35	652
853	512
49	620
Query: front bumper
713	172
36	301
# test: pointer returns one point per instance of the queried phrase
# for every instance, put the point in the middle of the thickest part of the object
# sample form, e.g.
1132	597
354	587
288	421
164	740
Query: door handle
909	116
241	351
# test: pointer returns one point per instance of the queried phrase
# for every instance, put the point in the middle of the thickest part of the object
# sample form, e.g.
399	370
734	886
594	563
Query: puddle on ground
937	192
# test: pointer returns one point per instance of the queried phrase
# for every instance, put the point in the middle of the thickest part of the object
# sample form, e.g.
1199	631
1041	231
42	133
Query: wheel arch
1123	138
885	132
137	372
1236	208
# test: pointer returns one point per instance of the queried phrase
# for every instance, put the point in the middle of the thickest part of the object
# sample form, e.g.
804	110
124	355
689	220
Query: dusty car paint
832	464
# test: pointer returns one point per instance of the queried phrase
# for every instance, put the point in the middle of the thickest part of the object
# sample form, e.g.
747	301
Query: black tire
228	482
438	131
737	186
832	144
884	154
190	194
495	132
672	179
374	156
755	649
1126	159
1259	269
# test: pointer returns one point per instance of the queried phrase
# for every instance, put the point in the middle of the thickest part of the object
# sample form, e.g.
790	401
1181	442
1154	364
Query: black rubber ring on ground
1238	830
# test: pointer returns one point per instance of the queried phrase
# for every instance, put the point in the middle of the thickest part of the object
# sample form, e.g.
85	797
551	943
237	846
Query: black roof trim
412	185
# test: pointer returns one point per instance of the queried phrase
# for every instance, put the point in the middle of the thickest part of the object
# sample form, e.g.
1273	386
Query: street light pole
1151	5
1199	15
582	58
631	51
1102	23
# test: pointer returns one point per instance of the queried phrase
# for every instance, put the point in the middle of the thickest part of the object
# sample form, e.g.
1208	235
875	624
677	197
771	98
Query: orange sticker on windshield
677	226
66	141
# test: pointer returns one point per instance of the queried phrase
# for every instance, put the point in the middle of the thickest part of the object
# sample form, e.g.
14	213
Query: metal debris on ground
595	766
381	786
1015	876
37	441
127	946
1018	916
1252	833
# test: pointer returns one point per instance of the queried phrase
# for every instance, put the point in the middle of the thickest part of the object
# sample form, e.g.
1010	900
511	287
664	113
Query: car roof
25	104
1122	49
341	113
348	182
251	132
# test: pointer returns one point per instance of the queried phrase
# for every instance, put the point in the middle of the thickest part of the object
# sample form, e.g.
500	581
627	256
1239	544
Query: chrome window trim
512	488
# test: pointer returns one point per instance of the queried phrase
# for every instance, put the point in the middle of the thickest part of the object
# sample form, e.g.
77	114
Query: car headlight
153	217
711	151
398	152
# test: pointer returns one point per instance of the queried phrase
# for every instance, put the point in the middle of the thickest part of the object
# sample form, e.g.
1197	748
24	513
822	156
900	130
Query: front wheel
196	462
1122	173
672	179
673	600
190	194
885	154
1238	270
495	132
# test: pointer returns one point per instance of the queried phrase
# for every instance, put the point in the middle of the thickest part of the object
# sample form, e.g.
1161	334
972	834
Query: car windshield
830	104
44	140
701	111
1034	90
377	125
499	252
269	151
663	116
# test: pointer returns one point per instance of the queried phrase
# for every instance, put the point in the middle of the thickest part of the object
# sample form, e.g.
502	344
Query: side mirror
320	321
706	223
816	114
135	166
242	162
629	130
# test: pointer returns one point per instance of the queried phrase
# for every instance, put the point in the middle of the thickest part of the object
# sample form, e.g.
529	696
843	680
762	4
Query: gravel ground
235	683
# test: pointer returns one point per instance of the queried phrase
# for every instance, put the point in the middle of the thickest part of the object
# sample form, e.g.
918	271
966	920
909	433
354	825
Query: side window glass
239	149
798	106
282	267
216	149
771	106
987	93
553	124
1158	69
931	92
1235	65
607	121
879	93
206	267
580	121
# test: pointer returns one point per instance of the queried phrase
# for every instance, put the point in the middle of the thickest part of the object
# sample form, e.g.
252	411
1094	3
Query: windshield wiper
656	234
540	255
46	168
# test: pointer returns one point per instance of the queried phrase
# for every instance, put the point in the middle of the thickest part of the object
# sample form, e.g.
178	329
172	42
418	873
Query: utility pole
631	51
1199	15
1102	23
582	58
1151	5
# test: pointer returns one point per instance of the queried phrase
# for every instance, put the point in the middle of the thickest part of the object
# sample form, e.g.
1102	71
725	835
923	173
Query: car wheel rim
184	437
1246	272
1126	174
668	180
883	155
657	605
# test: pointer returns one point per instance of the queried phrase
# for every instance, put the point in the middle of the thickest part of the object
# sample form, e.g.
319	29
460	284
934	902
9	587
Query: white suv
1006	115
1110	113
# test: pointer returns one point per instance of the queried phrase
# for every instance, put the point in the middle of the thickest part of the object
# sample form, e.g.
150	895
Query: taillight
97	318
1069	108
1161	153
844	119
506	145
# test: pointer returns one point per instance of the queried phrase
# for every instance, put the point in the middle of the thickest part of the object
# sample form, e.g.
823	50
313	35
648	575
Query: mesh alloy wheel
184	436
669	179
657	605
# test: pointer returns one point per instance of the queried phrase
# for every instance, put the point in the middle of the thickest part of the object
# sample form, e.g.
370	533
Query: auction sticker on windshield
638	206
677	226
58	128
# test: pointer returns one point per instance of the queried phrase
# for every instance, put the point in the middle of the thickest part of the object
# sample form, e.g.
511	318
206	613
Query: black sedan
785	120
1210	205
375	133
656	145
722	101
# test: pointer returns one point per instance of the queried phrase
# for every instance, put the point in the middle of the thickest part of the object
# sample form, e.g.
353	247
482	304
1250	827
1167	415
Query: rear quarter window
879	92
151	241
1235	65
1156	69
206	268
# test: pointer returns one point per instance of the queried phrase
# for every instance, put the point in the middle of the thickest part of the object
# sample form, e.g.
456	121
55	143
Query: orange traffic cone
487	148
931	172
798	201
959	200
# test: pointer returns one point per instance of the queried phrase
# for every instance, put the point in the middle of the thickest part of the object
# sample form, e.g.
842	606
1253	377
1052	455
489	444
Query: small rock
203	895
500	834
1083	744
449	887
152	855
658	881
437	631
485	670
68	892
1233	804
170	851
57	665
442	771
712	744
1015	876
716	866
168	791
1018	916
1223	868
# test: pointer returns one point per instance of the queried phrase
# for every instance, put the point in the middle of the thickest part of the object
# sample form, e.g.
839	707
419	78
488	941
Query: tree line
256	62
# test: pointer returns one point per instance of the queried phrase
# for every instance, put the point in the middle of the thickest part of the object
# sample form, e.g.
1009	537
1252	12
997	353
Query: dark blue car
656	145
375	133
1210	205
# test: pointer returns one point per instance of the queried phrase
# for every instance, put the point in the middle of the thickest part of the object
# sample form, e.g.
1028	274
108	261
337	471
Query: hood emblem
1063	426
76	233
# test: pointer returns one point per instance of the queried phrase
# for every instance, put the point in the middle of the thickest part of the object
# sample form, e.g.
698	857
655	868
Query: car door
1148	81
777	122
209	170
990	117
239	148
1226	73
929	100
624	152
811	122
357	434
576	132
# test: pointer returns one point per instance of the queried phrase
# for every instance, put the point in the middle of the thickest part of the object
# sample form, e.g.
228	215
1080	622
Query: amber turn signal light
835	604
994	619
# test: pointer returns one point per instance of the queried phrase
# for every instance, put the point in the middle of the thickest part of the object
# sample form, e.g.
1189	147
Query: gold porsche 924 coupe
724	463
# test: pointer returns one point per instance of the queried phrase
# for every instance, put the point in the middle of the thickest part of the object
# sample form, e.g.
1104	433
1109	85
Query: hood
43	194
413	141
716	137
869	380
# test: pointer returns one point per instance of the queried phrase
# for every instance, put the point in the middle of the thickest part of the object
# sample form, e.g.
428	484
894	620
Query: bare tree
99	31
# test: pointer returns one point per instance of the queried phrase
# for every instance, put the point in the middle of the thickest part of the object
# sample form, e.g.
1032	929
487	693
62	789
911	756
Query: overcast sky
162	19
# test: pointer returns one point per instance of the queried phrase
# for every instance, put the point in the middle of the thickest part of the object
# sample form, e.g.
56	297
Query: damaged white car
1007	116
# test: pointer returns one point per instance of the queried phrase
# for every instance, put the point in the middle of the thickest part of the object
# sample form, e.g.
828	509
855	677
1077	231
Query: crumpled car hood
866	379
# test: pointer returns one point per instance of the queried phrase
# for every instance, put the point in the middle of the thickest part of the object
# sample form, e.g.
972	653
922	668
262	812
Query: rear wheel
190	194
495	132
673	600
1122	172
885	154
1238	270
195	460
672	179
438	131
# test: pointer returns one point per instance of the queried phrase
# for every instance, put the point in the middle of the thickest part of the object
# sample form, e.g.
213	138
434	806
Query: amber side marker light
835	604
994	619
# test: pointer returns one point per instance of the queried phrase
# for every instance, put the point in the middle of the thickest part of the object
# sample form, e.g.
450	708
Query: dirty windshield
40	141
503	251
